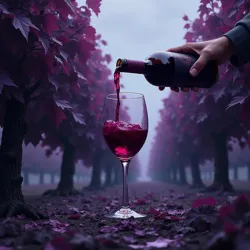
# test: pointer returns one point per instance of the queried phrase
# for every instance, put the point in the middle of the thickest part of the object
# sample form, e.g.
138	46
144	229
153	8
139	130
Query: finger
185	89
176	89
186	48
199	64
195	89
161	88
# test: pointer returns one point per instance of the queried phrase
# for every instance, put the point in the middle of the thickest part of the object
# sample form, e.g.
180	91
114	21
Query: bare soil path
79	222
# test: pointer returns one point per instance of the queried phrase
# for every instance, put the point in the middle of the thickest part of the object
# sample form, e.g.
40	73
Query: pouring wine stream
125	137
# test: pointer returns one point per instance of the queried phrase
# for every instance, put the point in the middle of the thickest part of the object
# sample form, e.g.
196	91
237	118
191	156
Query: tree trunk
41	178
182	174
248	172
26	177
174	174
171	175
96	172
236	176
210	175
221	172
195	172
118	175
108	174
66	183
167	176
53	179
11	152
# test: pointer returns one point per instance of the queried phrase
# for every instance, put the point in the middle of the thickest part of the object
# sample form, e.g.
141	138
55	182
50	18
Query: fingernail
194	72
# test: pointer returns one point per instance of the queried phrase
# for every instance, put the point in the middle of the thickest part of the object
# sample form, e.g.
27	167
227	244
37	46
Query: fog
136	28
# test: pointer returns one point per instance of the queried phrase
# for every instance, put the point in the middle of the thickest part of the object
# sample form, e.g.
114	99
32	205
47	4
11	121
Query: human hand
219	50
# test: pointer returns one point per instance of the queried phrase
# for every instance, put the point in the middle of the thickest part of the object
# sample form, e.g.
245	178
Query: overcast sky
136	28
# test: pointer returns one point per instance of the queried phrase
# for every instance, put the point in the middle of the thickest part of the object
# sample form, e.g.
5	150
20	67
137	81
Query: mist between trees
207	131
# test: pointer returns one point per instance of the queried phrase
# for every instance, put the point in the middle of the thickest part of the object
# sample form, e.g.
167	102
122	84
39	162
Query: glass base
125	213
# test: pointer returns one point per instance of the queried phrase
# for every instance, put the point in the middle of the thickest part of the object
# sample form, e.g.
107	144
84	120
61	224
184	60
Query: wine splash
117	86
124	139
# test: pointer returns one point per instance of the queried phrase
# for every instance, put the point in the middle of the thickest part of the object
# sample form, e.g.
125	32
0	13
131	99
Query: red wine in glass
124	140
125	136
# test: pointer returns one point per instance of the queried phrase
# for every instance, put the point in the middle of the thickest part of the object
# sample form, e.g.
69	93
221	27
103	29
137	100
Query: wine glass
125	129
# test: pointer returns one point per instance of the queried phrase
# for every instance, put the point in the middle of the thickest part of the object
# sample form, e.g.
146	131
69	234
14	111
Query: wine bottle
168	69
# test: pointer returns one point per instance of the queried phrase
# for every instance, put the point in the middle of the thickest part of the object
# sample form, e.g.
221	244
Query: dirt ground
177	218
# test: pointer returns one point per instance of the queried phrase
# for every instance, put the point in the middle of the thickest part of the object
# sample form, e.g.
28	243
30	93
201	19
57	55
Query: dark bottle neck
130	66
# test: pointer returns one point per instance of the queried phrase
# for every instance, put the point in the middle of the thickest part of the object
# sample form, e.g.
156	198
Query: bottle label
183	64
133	66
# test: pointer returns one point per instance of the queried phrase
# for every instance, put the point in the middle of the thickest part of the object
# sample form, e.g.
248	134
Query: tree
134	169
239	156
205	115
218	121
51	38
78	141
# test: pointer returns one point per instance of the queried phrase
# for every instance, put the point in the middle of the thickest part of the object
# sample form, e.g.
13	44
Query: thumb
199	64
182	49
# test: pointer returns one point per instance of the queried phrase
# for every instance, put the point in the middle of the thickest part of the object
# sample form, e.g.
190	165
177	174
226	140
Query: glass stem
125	166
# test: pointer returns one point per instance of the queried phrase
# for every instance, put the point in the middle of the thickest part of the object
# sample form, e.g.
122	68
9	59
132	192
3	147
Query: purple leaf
128	239
68	2
56	41
137	246
218	94
5	80
160	243
80	75
45	43
219	241
202	218
79	118
94	5
3	9
201	117
139	202
90	136
53	81
209	201
237	100
139	233
58	243
73	209
238	3
63	104
145	232
233	12
108	229
59	60
23	23
237	75
49	247
64	55
56	225
202	100
242	205
74	217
